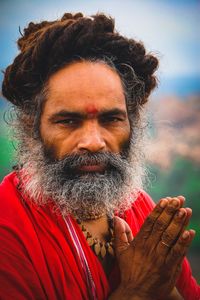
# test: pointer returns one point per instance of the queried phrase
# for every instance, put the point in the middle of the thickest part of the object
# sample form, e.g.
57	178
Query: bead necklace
101	249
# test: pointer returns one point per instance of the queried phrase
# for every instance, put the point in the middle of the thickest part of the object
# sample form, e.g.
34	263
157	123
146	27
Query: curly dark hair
47	46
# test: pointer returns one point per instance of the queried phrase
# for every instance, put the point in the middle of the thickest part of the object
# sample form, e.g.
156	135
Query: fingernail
181	197
185	235
189	210
192	231
175	203
163	203
181	213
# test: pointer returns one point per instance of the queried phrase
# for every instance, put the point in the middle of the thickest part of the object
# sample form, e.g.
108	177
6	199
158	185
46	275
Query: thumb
122	235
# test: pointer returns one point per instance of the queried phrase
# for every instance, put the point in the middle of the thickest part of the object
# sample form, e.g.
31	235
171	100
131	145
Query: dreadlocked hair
48	46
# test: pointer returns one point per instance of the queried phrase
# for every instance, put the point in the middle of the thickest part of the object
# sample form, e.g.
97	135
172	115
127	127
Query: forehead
88	86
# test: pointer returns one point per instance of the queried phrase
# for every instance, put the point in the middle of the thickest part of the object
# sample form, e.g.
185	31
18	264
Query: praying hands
150	263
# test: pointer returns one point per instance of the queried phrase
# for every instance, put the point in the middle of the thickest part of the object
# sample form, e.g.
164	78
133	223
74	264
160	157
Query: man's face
85	161
85	112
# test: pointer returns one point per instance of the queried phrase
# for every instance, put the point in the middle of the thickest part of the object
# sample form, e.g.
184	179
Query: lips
92	168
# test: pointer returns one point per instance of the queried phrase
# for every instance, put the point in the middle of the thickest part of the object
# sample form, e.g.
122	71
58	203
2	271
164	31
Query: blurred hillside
175	130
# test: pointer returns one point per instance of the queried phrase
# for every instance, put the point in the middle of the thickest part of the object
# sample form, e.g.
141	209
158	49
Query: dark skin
147	255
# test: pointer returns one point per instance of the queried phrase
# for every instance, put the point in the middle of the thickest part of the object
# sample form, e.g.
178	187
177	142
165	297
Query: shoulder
143	202
8	189
8	184
11	206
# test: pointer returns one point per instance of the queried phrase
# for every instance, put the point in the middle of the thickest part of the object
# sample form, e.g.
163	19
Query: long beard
82	194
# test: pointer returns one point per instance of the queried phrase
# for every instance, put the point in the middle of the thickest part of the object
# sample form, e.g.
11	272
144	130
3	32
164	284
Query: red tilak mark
91	110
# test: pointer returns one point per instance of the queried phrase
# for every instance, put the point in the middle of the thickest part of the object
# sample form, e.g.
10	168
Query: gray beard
82	194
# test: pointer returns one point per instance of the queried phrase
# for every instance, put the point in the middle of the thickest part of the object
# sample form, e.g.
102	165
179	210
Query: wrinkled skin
149	268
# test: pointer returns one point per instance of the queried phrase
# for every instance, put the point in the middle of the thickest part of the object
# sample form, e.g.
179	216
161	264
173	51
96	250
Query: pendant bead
103	251
97	248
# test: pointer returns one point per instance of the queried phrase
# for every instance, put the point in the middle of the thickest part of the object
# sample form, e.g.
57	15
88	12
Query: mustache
74	161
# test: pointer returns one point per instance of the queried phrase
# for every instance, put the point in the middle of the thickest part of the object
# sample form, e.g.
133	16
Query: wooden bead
90	241
89	235
110	250
85	234
97	248
103	251
83	228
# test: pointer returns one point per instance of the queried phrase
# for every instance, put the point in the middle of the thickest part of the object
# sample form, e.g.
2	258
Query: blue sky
171	29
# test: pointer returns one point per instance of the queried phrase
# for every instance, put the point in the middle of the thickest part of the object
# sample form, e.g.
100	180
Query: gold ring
165	244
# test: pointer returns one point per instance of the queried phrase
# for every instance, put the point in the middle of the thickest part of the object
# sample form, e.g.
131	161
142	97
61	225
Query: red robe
39	261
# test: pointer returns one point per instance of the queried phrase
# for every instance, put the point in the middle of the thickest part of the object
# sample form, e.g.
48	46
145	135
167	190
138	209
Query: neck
99	228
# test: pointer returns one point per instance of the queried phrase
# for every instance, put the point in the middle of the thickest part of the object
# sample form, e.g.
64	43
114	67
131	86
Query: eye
110	119
69	122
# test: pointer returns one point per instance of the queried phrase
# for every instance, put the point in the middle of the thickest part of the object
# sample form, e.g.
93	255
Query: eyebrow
65	114
113	112
81	115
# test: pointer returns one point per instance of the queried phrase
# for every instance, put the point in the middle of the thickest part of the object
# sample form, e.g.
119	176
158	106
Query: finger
122	235
148	224
179	250
189	214
181	199
172	232
184	220
122	230
164	220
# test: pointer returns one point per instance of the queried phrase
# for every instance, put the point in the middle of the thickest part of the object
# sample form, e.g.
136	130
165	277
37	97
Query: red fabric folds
39	261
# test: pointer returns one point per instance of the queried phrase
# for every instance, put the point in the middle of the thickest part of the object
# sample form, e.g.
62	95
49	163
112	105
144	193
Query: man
79	87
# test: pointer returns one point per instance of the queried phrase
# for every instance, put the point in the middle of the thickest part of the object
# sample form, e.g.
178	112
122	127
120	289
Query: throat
99	228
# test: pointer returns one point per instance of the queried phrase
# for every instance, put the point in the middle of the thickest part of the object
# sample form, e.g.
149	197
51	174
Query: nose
91	139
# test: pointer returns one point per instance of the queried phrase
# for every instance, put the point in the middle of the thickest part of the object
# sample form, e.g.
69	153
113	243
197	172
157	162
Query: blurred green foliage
183	178
6	150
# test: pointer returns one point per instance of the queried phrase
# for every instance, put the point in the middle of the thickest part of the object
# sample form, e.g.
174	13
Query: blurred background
169	29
